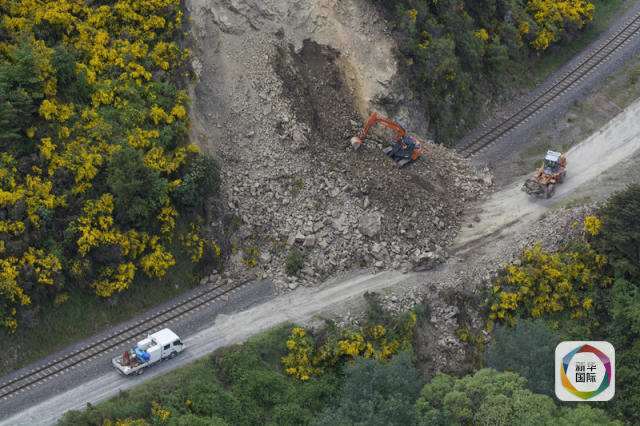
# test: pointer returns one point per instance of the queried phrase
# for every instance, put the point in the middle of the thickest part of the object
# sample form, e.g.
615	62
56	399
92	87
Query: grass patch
85	314
579	201
294	261
623	87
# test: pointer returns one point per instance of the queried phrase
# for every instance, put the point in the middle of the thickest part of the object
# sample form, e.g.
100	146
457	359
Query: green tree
623	332
620	231
375	393
200	181
138	191
491	397
63	61
293	262
528	349
21	92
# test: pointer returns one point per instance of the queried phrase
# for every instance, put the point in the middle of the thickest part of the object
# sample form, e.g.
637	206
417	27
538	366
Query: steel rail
118	338
575	75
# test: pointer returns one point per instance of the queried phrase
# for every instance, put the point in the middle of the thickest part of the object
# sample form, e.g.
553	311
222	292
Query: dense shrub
293	262
575	292
490	397
458	53
307	358
619	237
139	191
94	142
528	348
200	181
623	332
554	286
375	393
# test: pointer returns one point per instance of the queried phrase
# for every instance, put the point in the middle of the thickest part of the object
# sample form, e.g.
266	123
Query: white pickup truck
154	348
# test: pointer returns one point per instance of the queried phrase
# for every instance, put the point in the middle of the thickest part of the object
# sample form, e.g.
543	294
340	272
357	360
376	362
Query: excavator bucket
533	187
356	142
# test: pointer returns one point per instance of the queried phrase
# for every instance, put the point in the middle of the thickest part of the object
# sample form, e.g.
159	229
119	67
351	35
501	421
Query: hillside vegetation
589	290
97	184
460	55
249	385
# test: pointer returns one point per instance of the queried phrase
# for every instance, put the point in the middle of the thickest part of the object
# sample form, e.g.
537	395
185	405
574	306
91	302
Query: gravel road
234	327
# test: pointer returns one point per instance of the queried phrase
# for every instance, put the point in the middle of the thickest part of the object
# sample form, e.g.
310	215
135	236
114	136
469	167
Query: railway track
117	339
494	131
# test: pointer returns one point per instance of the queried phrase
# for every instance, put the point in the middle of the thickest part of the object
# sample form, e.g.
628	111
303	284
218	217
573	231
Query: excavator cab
403	150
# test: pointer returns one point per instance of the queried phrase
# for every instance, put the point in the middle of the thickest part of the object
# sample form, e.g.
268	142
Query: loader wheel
551	189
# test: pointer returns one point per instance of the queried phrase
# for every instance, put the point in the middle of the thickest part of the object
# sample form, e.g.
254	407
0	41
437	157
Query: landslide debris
277	109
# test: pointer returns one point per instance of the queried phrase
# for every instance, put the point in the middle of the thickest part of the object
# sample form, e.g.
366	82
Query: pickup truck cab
154	348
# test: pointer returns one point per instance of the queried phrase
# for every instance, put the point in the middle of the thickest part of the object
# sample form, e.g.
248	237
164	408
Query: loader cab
552	162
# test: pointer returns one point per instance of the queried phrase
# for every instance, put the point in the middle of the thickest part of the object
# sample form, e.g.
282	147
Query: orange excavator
403	149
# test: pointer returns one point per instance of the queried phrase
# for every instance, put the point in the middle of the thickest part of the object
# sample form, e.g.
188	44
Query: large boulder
370	224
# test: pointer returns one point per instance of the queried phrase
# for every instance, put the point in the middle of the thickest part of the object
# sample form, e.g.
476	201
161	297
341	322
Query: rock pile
277	111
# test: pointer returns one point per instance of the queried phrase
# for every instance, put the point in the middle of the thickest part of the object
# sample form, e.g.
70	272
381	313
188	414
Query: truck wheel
140	372
173	355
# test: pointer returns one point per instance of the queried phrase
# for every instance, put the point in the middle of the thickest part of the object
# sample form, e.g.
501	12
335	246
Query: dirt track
509	211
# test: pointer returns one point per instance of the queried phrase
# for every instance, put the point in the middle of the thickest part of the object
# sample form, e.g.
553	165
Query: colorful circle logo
606	380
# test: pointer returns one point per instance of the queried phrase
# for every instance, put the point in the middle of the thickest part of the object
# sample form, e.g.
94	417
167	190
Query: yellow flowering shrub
551	18
46	266
305	359
193	243
91	84
592	225
159	412
158	261
60	299
548	283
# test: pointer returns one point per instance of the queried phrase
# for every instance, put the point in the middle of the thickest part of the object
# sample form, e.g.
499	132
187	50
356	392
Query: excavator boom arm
374	119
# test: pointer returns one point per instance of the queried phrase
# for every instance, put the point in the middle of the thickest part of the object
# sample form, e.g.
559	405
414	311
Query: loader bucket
356	142
533	187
